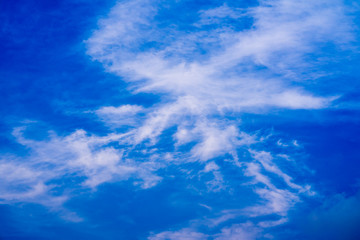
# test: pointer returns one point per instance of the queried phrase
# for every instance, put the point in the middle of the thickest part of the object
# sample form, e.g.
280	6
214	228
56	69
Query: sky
179	119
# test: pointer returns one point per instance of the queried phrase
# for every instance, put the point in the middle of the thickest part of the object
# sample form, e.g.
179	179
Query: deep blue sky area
44	62
155	120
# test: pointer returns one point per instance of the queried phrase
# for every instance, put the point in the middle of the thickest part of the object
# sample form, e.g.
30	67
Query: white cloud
227	78
125	115
275	200
266	161
218	14
183	234
246	231
282	35
212	166
254	70
122	110
88	160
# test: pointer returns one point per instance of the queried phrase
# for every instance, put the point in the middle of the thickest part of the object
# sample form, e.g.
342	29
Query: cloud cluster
248	69
256	69
204	76
85	161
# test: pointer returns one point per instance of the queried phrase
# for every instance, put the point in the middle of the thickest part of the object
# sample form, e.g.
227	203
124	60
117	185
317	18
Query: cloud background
221	121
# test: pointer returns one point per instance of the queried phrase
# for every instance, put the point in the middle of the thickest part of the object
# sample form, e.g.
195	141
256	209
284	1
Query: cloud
246	231
125	115
228	76
88	160
122	110
207	78
250	70
183	234
218	14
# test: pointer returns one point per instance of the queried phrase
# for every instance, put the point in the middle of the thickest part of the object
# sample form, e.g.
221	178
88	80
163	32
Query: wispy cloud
255	69
86	160
186	233
126	115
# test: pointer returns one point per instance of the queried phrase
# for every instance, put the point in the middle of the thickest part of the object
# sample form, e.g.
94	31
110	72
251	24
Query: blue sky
179	119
